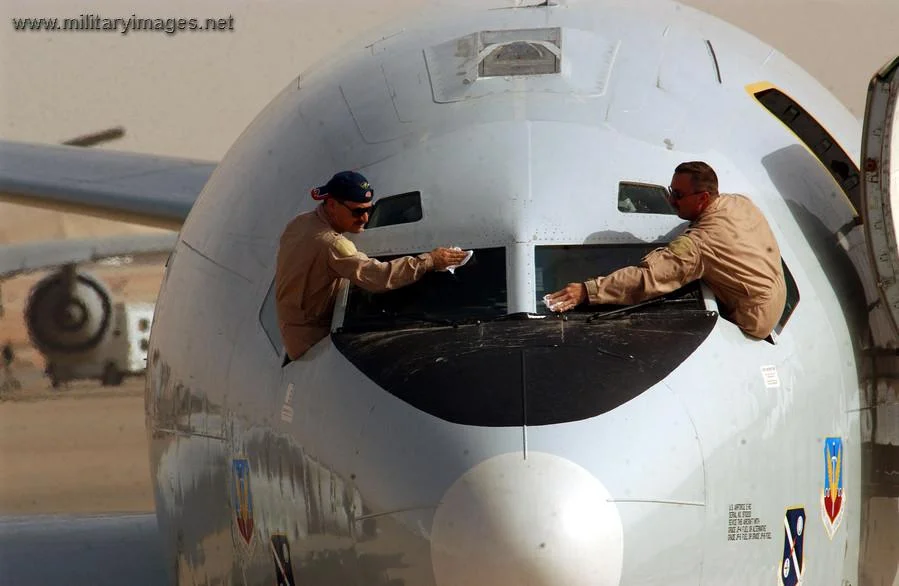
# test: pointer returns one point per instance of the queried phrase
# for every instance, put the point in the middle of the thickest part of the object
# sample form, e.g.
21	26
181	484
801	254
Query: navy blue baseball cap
345	186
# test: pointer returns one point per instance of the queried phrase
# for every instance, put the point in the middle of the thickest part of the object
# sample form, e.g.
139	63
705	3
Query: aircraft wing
140	189
33	256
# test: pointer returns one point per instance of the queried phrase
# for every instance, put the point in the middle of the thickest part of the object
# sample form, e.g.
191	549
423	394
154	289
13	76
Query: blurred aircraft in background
70	314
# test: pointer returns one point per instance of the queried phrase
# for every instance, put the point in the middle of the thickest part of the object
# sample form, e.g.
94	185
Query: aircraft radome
513	447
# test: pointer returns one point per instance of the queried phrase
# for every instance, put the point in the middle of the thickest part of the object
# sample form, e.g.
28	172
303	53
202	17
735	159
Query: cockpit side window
404	208
268	317
474	292
816	138
643	198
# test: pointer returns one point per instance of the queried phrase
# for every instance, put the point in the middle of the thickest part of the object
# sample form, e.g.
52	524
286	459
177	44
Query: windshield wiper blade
628	309
420	317
423	318
516	316
385	320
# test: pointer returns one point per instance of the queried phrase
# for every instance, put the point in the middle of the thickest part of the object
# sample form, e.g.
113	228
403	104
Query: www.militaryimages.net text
124	26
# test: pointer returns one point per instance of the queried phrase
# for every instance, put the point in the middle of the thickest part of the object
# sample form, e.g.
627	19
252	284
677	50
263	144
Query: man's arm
376	276
661	271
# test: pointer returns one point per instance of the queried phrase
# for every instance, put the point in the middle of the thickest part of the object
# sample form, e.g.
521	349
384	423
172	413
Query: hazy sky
192	94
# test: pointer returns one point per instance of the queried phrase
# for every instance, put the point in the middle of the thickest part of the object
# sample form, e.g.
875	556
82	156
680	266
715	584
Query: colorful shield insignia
243	498
794	538
832	492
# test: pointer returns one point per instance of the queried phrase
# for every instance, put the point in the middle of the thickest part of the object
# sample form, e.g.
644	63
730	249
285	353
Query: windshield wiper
423	318
517	316
393	318
630	308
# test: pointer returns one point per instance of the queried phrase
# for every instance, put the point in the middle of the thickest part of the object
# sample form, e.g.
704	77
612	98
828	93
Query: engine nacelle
68	312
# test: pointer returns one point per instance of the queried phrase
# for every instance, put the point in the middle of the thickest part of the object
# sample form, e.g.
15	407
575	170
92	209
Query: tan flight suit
312	258
730	247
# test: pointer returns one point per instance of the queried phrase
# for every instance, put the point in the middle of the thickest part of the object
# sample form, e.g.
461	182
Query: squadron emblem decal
792	564
832	492
243	498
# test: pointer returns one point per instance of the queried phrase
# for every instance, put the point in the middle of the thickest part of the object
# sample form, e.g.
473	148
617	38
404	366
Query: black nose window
474	292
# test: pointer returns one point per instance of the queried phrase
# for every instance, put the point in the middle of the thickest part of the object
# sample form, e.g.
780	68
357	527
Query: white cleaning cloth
468	255
549	305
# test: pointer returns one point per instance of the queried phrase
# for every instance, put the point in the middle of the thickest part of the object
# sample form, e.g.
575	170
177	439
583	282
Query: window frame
792	288
269	298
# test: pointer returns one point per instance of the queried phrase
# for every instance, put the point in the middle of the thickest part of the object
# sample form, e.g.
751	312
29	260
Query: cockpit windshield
556	266
474	292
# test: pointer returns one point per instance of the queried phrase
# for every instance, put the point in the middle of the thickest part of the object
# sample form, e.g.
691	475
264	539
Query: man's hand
446	257
568	298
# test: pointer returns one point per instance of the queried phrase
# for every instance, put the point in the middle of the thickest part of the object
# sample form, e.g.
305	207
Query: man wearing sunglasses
314	255
729	245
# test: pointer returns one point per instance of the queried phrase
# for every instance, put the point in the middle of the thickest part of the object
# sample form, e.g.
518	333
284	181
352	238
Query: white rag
468	255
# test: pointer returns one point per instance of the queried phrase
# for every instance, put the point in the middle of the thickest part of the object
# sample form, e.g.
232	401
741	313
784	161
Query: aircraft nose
512	521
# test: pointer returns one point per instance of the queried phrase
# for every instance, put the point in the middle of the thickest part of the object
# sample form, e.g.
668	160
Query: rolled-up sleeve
371	274
661	271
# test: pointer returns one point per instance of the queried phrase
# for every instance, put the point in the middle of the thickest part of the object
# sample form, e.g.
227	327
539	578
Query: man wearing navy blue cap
314	255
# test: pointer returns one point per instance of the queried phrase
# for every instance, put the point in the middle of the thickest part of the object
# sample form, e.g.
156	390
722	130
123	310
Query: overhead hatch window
643	198
522	61
816	138
404	208
519	52
476	291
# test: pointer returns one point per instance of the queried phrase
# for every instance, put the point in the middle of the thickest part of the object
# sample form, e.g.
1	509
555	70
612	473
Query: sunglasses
357	212
676	195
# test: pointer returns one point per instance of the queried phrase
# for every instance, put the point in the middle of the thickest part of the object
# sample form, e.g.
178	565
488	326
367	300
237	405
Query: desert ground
80	448
80	451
